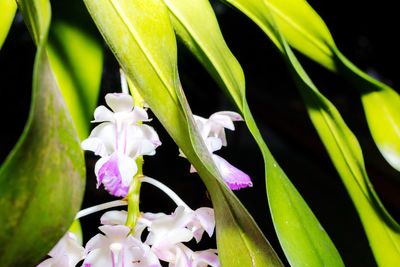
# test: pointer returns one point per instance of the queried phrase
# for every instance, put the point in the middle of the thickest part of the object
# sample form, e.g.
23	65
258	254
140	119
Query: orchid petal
114	217
140	114
213	144
95	145
222	120
233	177
107	134
205	258
119	102
206	218
115	173
116	233
234	116
127	169
101	114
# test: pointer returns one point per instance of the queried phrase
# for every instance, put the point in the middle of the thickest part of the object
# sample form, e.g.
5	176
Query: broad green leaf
42	180
302	237
304	29
8	8
76	57
382	231
145	47
298	22
382	109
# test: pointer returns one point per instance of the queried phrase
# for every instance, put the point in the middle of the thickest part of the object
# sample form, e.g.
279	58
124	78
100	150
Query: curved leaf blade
147	53
8	8
304	30
381	106
302	237
76	57
382	230
42	180
341	144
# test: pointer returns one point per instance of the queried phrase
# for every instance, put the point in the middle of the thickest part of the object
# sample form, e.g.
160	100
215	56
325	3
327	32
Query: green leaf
382	230
8	8
381	106
42	180
76	57
299	23
146	49
304	29
302	237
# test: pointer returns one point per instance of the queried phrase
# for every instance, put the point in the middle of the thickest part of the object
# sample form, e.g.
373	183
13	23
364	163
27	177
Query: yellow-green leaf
302	237
141	37
304	30
8	8
42	180
76	57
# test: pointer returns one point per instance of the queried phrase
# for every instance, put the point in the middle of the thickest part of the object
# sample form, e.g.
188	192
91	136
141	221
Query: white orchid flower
66	253
119	139
117	248
215	125
212	131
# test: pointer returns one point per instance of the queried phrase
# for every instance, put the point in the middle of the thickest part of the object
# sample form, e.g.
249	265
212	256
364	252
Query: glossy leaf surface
42	180
8	8
145	47
76	57
382	230
304	30
302	237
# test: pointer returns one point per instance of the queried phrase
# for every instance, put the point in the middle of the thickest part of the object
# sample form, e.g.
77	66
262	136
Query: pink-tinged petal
181	259
115	173
205	258
140	114
107	134
95	145
127	168
101	114
233	177
234	116
99	241
222	120
140	255
116	233
213	144
206	218
114	217
141	140
119	102
66	253
192	169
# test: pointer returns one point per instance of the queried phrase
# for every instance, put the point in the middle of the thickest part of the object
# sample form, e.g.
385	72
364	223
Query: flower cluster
212	131
119	140
165	239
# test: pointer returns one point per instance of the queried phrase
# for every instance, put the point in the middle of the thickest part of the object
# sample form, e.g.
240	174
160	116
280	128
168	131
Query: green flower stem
134	197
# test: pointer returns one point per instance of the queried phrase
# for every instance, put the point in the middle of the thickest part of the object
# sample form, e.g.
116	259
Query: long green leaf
145	47
76	57
42	180
382	231
8	8
304	29
302	237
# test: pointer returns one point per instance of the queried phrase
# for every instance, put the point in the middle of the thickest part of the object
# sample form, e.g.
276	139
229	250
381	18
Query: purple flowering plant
42	180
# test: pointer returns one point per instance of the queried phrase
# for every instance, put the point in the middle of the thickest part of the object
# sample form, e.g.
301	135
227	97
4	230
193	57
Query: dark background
364	31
